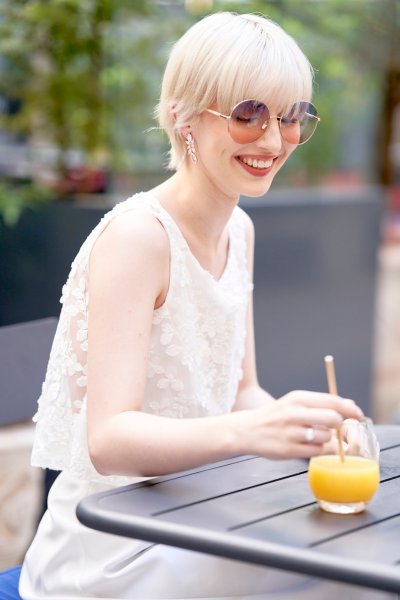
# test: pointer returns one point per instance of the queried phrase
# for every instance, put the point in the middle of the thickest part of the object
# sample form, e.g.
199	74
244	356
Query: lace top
196	345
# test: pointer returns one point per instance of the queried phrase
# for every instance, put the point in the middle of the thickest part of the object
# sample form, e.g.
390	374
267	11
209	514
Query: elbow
99	457
107	459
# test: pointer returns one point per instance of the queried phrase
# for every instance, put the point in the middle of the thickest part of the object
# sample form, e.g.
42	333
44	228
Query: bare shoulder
130	260
134	232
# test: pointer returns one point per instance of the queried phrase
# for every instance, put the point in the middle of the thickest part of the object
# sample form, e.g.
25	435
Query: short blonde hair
225	58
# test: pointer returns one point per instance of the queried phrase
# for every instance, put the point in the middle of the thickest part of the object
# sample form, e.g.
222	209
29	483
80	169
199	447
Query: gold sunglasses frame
264	126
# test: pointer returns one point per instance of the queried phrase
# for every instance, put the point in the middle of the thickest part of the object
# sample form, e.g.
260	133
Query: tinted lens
247	120
300	123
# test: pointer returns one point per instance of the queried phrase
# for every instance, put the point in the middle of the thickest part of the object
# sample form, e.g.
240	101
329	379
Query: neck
195	204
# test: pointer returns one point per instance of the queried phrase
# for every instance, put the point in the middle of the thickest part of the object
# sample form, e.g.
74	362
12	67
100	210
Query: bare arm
129	274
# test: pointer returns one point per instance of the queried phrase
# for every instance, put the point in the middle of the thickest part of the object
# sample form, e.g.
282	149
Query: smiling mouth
256	163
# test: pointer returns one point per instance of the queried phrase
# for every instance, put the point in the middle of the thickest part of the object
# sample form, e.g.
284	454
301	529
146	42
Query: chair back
24	354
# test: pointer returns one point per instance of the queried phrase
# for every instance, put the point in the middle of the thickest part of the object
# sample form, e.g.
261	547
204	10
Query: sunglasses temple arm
217	114
313	117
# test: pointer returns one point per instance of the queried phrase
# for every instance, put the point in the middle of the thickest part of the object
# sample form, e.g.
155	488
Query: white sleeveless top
196	346
196	350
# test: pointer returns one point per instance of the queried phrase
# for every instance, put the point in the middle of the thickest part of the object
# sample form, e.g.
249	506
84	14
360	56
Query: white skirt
68	561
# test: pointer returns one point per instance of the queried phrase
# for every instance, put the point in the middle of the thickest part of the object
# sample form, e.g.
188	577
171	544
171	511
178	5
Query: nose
272	139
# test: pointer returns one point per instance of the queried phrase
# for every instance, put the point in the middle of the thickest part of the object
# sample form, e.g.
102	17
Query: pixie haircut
225	58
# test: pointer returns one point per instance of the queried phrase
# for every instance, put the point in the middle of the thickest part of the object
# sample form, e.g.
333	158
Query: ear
173	111
185	130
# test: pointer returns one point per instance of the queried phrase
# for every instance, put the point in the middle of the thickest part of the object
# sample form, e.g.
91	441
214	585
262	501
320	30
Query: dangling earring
190	147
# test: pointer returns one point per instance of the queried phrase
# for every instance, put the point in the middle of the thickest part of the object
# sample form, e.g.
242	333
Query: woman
152	369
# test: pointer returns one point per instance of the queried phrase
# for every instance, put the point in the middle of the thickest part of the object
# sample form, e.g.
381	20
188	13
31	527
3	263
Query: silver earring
190	147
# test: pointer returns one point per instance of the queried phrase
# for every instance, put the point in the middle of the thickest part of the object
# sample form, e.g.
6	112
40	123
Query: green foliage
56	57
88	73
14	199
136	57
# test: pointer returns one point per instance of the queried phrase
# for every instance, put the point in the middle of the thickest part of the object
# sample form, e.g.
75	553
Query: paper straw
332	387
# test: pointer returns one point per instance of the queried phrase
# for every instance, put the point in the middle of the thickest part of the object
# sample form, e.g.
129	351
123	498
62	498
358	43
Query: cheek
216	152
213	141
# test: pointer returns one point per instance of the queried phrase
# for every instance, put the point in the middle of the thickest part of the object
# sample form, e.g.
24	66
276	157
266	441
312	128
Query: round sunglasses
249	120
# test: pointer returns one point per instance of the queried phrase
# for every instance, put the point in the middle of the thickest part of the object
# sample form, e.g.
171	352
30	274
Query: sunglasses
250	119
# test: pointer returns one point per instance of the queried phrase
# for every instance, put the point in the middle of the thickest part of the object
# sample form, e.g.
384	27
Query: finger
303	451
345	406
353	436
317	417
332	446
306	435
313	435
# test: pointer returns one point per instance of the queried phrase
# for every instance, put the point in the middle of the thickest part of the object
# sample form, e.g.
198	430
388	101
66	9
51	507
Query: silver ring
310	434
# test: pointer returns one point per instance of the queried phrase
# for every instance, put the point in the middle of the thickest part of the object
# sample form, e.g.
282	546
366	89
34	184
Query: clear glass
346	486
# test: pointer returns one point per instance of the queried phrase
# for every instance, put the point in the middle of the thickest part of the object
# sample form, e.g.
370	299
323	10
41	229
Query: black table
262	512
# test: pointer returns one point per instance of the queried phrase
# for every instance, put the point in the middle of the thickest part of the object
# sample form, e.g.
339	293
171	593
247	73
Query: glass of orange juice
344	484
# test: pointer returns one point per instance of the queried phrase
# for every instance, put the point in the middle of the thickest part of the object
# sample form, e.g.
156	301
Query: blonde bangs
277	74
279	92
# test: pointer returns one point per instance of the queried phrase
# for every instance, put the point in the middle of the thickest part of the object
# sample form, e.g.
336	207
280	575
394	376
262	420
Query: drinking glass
344	484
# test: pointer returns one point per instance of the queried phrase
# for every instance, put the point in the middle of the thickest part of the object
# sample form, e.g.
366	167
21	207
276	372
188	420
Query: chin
256	191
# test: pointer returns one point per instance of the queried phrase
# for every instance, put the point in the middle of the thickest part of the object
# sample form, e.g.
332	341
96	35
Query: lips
256	165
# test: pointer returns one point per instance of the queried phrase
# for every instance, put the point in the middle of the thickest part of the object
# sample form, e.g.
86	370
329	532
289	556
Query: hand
351	439
360	438
282	429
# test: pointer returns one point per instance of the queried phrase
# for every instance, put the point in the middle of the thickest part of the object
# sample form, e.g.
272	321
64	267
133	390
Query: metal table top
263	512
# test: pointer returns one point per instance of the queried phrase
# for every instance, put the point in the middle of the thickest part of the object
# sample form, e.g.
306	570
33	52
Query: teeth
257	164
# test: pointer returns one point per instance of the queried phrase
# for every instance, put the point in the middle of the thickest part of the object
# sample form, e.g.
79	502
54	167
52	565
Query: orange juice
351	481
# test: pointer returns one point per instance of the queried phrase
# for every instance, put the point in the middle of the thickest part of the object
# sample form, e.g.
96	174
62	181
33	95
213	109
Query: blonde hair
225	58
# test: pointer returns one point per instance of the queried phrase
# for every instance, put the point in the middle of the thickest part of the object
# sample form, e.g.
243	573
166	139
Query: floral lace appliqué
195	354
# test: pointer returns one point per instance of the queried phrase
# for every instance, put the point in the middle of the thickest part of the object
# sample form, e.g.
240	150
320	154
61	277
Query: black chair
24	353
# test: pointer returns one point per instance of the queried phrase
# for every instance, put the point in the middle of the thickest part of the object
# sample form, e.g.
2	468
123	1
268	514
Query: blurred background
79	80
